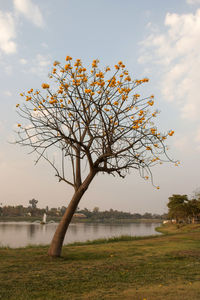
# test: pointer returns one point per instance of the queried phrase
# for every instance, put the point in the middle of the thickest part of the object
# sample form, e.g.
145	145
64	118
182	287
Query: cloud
8	70
7	93
177	53
30	10
8	23
43	60
23	61
1	126
197	137
193	1
181	143
7	33
40	64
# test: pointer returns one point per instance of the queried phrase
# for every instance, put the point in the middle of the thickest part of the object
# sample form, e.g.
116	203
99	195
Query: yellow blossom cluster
45	86
171	133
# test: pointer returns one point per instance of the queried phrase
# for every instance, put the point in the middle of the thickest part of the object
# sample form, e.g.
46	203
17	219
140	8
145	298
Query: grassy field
152	268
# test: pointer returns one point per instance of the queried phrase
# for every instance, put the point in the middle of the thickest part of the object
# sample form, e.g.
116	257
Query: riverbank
79	220
178	228
162	267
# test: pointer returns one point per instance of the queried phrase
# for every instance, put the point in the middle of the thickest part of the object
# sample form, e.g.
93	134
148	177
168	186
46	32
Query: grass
178	228
162	267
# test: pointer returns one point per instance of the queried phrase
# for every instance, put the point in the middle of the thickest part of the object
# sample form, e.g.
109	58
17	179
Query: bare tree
93	119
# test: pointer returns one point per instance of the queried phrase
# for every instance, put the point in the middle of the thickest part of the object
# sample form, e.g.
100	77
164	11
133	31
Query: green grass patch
178	228
161	267
122	238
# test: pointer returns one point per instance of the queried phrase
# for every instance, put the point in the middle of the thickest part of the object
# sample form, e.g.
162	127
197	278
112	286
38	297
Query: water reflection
20	234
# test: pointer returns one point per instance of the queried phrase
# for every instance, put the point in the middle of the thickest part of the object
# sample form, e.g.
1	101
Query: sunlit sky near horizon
156	39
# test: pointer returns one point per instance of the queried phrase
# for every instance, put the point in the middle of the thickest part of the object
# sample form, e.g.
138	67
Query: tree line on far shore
180	209
33	211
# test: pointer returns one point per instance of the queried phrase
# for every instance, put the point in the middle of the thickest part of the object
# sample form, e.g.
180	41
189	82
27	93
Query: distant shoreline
79	220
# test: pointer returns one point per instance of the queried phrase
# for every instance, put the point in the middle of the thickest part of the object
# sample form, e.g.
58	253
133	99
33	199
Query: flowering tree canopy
94	117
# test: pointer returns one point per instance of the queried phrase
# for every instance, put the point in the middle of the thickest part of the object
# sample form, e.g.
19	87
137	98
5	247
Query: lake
21	234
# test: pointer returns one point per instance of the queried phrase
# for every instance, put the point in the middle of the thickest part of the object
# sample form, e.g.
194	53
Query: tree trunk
58	238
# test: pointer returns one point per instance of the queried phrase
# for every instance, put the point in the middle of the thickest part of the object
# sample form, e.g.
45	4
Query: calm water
20	234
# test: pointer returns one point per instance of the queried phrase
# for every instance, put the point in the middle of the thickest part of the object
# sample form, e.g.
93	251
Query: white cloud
30	10
193	1
43	60
197	137
44	45
40	64
8	69
7	33
23	61
7	93
181	142
177	52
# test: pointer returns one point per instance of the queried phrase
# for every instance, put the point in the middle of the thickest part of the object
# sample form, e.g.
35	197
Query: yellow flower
19	125
28	98
56	63
145	80
17	104
67	66
21	94
68	58
66	86
158	187
94	65
148	148
53	101
87	91
124	97
171	133
150	103
116	103
128	78
45	86
153	130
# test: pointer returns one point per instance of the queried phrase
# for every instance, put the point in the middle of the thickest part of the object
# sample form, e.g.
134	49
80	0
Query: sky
156	39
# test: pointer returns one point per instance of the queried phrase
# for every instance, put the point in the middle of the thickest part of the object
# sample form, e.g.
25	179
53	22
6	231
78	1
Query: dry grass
163	267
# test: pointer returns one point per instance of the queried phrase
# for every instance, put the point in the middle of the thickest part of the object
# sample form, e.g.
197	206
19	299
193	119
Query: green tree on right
182	209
